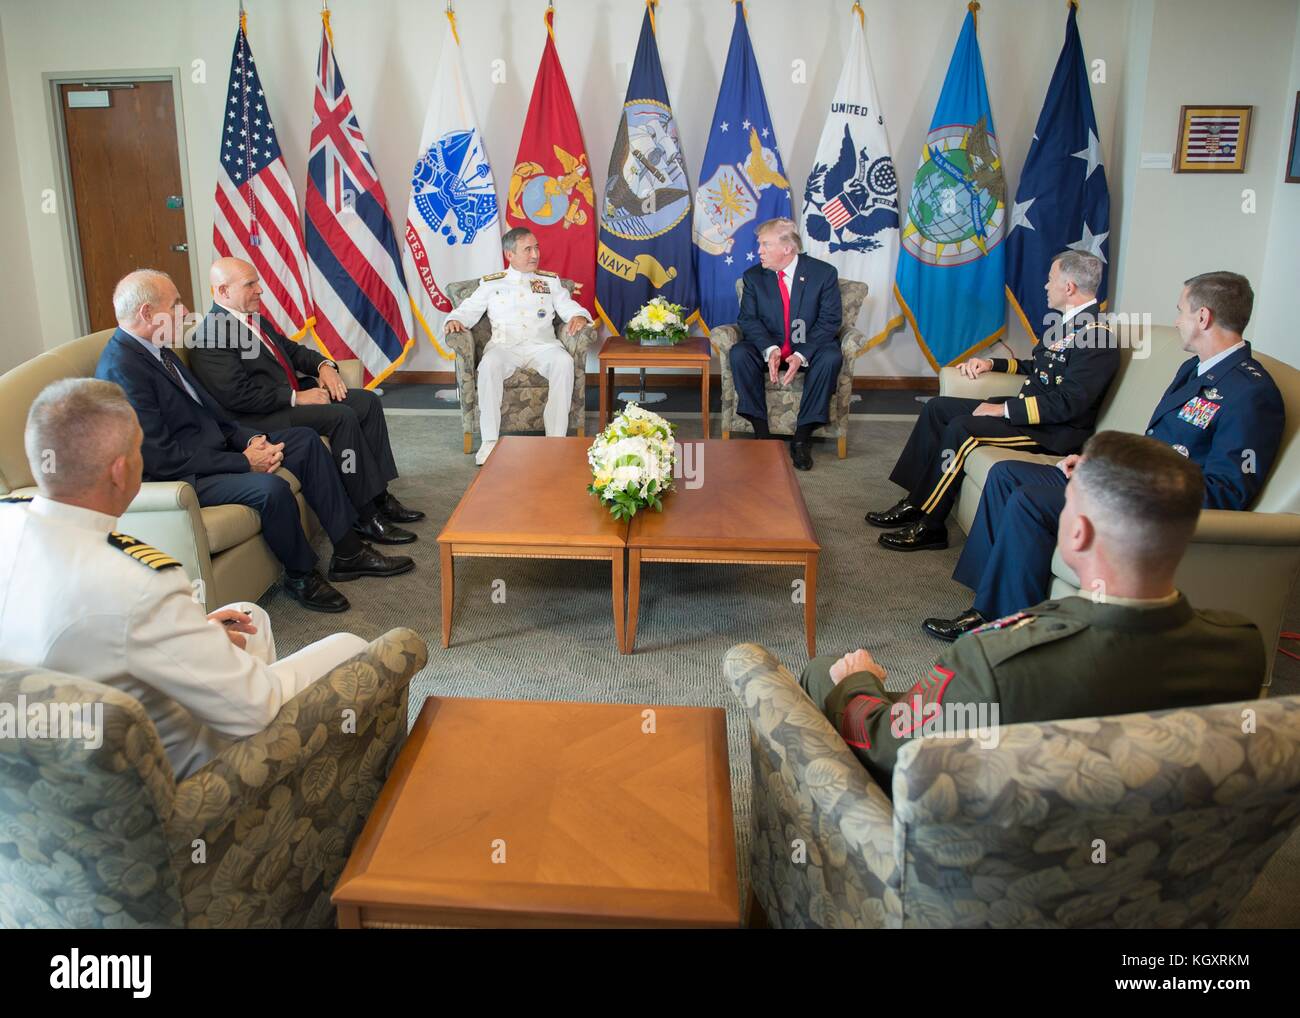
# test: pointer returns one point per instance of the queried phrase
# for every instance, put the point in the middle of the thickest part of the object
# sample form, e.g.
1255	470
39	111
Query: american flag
839	210
362	306
256	214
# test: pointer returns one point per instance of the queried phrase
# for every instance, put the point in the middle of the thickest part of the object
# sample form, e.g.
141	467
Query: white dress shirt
1205	366
521	307
788	274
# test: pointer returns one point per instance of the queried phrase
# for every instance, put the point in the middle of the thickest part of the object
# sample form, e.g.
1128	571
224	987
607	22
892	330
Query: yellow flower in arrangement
632	462
658	315
602	479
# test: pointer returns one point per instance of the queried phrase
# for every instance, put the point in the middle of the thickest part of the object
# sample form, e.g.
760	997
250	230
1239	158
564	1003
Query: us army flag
850	206
452	229
951	269
742	181
645	222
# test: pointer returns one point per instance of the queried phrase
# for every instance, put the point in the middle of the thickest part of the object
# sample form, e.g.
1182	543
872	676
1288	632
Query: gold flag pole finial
243	18
1072	3
325	20
549	19
650	6
451	20
862	17
974	8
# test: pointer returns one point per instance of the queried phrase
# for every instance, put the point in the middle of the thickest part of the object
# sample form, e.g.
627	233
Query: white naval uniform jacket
72	600
521	307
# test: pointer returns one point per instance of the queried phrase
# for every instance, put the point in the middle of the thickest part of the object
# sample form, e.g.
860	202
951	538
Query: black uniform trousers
306	457
934	460
358	437
820	376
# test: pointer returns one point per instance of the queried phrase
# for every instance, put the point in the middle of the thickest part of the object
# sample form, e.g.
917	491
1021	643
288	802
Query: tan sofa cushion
229	525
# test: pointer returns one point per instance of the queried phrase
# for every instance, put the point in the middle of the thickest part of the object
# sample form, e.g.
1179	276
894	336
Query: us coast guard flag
951	269
742	181
362	308
1062	201
645	229
452	229
850	206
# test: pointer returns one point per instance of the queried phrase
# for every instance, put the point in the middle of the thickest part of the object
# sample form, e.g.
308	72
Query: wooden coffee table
618	352
747	509
530	500
537	814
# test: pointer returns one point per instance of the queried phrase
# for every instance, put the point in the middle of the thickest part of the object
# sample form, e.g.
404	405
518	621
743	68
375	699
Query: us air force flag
850	206
951	269
1062	201
742	181
452	230
645	224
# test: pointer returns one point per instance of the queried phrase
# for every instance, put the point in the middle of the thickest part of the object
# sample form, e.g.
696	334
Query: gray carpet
553	637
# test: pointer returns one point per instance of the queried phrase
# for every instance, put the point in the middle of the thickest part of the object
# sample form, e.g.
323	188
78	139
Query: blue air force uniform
1228	420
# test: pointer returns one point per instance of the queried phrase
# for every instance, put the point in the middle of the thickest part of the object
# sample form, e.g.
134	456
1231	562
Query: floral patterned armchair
783	402
1186	808
523	396
105	837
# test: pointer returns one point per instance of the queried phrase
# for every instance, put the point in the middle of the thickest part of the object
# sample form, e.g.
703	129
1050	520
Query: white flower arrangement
659	322
632	462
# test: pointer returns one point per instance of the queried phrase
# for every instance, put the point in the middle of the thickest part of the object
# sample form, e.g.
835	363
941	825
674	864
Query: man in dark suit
1222	411
1056	409
268	382
789	313
189	437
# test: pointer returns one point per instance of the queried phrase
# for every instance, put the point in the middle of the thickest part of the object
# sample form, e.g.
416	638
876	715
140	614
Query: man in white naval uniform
78	597
520	303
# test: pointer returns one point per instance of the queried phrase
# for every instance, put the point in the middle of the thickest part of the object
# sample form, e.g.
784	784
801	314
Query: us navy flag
1062	201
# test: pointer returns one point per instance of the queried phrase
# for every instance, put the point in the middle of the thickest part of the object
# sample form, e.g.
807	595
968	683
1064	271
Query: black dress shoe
917	537
950	629
395	512
368	562
900	514
314	594
381	531
801	453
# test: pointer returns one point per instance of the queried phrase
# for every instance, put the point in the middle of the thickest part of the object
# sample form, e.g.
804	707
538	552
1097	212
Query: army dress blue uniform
1228	420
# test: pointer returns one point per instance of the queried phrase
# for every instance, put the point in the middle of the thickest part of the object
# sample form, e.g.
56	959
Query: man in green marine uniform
1133	643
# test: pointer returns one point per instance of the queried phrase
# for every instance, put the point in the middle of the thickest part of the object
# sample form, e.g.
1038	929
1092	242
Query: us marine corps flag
645	223
452	231
742	181
550	189
850	206
951	270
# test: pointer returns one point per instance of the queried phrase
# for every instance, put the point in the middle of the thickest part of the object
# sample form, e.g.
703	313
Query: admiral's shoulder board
141	552
544	272
494	275
15	499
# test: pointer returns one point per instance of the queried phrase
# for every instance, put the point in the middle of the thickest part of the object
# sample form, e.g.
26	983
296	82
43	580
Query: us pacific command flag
645	227
742	181
850	206
1062	202
951	270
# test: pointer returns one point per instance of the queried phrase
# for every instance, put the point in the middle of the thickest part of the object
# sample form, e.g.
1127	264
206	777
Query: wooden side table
693	352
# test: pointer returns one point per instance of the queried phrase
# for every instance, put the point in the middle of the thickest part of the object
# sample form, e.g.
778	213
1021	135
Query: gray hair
514	236
76	427
136	289
784	228
1082	269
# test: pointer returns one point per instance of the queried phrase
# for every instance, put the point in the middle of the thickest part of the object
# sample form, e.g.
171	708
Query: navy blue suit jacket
1229	420
182	439
814	300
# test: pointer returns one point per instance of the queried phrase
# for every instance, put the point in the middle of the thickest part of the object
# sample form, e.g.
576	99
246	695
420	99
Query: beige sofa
1245	562
220	547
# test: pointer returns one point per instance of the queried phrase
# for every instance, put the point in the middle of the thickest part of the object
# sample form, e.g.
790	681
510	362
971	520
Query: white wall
21	337
1274	327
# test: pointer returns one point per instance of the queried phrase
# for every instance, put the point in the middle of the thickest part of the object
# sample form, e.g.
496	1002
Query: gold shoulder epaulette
16	498
494	275
543	272
141	552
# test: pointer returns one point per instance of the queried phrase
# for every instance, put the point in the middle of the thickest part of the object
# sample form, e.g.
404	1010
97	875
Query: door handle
180	247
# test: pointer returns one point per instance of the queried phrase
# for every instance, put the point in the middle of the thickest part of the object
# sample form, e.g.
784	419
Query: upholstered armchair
524	394
1185	806
105	836
783	402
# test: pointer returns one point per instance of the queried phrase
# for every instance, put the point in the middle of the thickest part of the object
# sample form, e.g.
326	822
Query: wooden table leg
810	603
619	610
633	598
704	398
604	397
448	592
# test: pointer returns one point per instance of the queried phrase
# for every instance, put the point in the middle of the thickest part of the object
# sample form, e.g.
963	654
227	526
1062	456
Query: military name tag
1198	412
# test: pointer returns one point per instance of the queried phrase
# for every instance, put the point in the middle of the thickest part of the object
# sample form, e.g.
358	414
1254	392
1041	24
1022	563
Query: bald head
235	285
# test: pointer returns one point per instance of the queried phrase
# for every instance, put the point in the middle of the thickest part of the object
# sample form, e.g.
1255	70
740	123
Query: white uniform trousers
549	359
301	669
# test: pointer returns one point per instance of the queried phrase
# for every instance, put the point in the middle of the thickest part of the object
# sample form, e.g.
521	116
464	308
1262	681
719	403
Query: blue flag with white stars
1062	202
742	182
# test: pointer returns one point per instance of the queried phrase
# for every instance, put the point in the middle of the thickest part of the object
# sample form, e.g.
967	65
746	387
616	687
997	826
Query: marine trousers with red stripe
933	462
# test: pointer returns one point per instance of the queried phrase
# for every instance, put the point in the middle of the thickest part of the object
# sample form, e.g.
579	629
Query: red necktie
289	373
786	348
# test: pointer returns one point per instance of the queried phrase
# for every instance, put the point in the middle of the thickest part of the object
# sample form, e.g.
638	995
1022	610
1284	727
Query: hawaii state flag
742	181
645	245
850	206
951	269
1062	201
550	189
362	308
452	226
